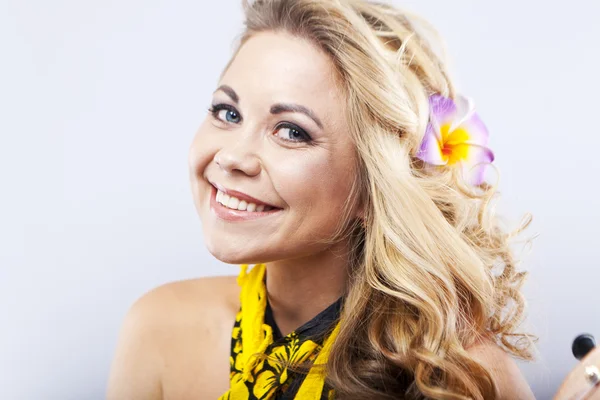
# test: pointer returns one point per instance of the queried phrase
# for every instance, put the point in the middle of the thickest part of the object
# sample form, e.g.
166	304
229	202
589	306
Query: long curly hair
431	271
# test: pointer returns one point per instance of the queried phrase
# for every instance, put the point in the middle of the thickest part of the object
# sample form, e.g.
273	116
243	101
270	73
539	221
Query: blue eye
225	113
285	131
292	133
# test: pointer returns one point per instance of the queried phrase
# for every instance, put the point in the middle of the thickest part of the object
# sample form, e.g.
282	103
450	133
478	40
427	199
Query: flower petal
442	109
476	129
474	166
431	148
456	135
465	107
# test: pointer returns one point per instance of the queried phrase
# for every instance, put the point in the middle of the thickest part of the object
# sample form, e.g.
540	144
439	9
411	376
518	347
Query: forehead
277	67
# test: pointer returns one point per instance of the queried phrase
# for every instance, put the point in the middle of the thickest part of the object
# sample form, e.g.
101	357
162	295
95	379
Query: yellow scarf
256	337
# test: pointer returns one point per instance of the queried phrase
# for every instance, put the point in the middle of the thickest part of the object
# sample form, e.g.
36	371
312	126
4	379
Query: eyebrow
275	108
285	107
229	92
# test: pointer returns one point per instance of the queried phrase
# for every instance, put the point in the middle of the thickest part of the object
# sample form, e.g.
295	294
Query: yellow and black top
251	379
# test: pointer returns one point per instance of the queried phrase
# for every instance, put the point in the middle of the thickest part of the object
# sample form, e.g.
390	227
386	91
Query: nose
238	156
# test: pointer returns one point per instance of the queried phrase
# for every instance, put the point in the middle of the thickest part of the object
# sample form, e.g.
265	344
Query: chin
231	255
229	258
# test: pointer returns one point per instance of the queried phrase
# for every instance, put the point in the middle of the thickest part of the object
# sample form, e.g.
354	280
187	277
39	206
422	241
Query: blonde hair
431	270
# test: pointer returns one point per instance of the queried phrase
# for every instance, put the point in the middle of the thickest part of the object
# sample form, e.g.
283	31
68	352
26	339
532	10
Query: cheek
314	186
201	154
202	149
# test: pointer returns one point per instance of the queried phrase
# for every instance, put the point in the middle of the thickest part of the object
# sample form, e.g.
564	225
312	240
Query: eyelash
215	108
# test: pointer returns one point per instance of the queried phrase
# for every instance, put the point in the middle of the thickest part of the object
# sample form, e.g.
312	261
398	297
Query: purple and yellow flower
456	136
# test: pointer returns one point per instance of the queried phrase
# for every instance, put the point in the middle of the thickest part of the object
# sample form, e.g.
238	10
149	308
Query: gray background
100	100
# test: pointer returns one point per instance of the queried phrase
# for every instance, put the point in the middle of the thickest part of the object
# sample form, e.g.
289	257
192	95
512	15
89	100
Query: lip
241	196
229	214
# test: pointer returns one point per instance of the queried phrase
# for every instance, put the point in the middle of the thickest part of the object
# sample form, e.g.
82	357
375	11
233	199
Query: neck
299	289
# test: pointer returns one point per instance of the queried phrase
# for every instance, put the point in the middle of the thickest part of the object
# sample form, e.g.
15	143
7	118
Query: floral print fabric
269	380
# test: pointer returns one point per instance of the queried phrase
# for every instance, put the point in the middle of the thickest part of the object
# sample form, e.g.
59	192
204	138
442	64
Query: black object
582	345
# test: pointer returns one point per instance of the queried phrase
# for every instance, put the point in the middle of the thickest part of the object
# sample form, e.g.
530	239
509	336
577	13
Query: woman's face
278	134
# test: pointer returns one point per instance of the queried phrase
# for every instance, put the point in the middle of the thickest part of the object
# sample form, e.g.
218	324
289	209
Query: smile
231	208
236	204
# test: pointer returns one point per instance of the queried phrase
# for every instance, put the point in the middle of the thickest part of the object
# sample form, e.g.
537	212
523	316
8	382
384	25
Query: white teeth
237	204
233	202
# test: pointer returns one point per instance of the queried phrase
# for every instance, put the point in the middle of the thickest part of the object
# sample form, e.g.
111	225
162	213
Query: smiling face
276	133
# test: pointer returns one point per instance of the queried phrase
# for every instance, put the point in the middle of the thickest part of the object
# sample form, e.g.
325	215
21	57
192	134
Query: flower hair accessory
456	136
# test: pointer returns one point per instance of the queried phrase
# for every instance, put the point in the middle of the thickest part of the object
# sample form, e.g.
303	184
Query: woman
341	169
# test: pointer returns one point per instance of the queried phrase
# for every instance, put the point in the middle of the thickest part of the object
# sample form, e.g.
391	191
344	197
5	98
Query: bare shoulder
508	377
186	300
172	332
